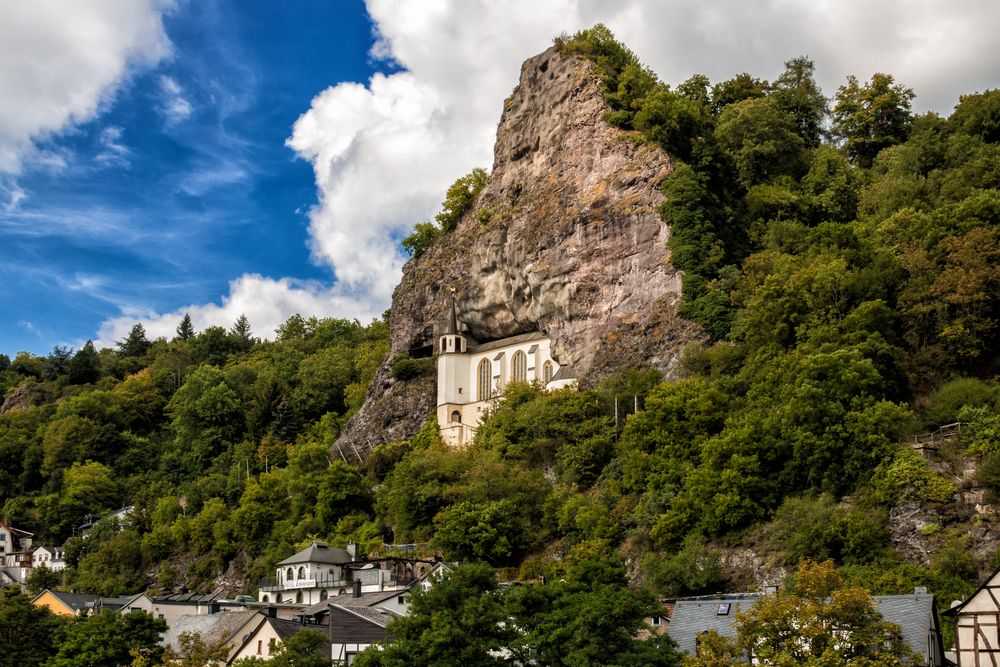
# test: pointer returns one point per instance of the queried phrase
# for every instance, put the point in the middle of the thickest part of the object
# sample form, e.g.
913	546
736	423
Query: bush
423	236
405	368
951	397
908	477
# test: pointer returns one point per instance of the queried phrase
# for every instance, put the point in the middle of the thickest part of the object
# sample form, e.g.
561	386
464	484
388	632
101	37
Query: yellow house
67	604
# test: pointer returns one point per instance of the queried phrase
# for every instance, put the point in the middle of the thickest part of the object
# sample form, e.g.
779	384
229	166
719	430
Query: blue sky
219	157
184	181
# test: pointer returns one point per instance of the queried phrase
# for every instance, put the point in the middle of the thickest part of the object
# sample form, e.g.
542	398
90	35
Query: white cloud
11	195
384	153
266	303
173	105
63	59
113	152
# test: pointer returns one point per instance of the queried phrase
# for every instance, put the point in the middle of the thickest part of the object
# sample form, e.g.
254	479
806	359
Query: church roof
504	342
564	373
319	552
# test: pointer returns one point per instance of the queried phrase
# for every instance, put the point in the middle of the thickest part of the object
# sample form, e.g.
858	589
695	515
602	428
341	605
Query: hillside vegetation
843	261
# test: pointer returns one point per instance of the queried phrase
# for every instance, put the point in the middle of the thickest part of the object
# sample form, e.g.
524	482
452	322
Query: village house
52	558
977	625
471	374
319	572
915	614
15	550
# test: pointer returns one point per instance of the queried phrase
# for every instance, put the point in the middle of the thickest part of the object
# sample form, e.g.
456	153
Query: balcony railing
275	585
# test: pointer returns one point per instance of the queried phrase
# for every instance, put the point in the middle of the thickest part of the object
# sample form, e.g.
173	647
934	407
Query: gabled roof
504	342
74	601
224	627
186	598
373	616
319	552
564	373
284	629
992	581
914	614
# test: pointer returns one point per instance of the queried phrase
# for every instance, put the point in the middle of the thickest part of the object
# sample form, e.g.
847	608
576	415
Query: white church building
470	375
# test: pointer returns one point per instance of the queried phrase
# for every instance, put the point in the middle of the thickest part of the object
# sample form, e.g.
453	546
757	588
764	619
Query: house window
519	367
271	644
484	385
655	621
264	599
289	574
323	595
456	417
298	598
302	573
260	647
547	372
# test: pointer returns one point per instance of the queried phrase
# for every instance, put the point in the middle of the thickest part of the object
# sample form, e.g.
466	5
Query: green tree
185	330
196	652
42	578
27	633
460	197
109	639
423	236
493	531
242	334
797	93
590	618
135	344
872	117
85	367
762	140
470	633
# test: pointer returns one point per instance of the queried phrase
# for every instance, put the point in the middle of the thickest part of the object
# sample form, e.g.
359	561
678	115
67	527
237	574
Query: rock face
565	238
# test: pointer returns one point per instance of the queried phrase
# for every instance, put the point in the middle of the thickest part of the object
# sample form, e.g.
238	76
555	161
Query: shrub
423	236
951	397
908	477
405	368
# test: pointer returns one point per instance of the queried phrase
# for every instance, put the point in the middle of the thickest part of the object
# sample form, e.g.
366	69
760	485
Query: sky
228	157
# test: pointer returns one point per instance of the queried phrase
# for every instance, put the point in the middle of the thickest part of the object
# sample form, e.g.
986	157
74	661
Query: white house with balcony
471	374
319	572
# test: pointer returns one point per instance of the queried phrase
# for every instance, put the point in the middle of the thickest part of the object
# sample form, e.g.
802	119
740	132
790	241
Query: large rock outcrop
565	238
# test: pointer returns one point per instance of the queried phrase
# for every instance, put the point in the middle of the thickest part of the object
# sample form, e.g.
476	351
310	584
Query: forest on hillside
841	254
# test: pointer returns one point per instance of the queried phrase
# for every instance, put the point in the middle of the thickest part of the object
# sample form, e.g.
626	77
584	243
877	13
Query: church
470	374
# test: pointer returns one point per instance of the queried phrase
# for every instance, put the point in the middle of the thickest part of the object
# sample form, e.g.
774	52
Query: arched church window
547	372
290	575
519	367
484	385
264	599
456	417
302	573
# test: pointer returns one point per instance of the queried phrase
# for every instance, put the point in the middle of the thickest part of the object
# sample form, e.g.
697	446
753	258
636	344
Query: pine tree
85	367
135	344
242	334
185	330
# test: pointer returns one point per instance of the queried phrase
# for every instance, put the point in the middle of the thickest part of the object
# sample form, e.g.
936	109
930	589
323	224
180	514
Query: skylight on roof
724	609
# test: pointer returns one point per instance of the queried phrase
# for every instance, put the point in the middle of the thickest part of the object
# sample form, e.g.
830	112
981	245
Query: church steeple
453	320
452	342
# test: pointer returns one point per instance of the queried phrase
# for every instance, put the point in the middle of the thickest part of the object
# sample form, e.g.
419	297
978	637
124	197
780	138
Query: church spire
453	320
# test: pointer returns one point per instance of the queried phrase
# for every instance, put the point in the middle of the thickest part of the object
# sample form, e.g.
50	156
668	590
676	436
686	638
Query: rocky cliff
565	238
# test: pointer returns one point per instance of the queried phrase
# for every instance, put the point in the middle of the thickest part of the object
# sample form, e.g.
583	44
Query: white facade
471	376
52	559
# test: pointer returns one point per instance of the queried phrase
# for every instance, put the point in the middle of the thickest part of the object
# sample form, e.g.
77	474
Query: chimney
352	549
356	592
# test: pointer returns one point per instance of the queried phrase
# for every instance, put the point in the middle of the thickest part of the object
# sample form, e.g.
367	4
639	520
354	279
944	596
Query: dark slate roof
186	598
319	552
348	600
77	601
693	617
504	342
374	616
913	614
564	373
